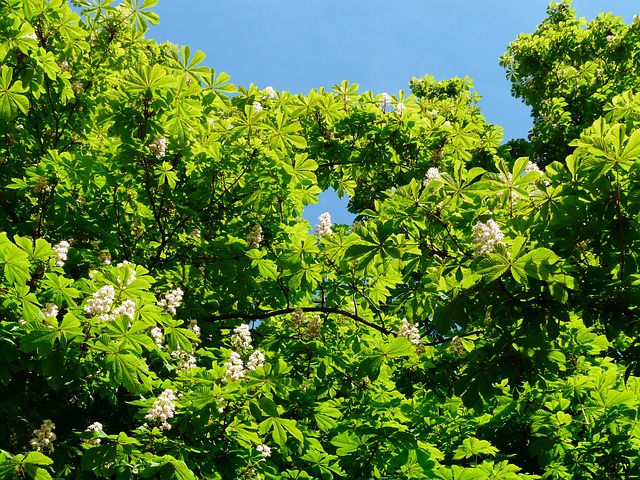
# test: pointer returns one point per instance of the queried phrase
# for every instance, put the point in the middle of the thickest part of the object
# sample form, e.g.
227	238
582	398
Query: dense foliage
167	312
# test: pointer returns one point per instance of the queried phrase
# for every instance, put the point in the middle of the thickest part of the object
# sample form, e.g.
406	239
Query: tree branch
285	311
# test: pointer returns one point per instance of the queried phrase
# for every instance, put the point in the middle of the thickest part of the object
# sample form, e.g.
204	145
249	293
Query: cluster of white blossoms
386	101
400	107
410	331
271	93
241	338
44	437
77	87
255	360
61	249
255	237
486	236
234	366
50	310
309	329
186	361
162	409
532	167
126	308
130	273
433	174
265	450
456	347
159	147
171	301
324	227
94	427
100	303
611	38
257	107
193	326
158	337
105	258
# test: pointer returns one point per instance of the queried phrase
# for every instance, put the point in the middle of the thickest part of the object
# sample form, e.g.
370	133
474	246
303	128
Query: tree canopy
167	312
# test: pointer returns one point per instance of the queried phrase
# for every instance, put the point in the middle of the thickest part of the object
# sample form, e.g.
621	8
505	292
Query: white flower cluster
130	273
241	338
265	450
156	334
386	101
77	87
159	147
50	310
255	237
163	409
611	38
193	326
105	257
532	167
400	107
433	174
234	366
61	249
127	308
171	301
310	329
186	361
100	303
44	437
486	236
271	93
324	227
94	427
257	107
255	360
410	331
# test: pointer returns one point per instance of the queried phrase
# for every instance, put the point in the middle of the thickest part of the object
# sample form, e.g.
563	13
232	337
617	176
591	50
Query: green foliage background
525	358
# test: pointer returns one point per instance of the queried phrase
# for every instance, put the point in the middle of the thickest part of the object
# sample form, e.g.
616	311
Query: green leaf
37	458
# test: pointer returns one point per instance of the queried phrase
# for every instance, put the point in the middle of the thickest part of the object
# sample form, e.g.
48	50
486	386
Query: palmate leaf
15	262
11	98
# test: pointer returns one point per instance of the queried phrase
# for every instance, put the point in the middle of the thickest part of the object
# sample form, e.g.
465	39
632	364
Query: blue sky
297	45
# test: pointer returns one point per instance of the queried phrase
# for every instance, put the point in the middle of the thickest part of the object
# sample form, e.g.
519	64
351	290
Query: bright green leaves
11	99
146	79
473	448
32	465
279	428
14	262
167	175
139	15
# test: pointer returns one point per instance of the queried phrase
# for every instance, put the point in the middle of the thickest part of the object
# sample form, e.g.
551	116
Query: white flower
64	66
400	107
105	257
434	113
385	101
486	236
50	310
186	361
234	367
171	301
100	303
255	360
127	308
433	174
193	326
163	409
195	233
532	167
94	427
77	87
265	450
61	249
130	273
324	227
314	327
156	334
255	237
410	331
257	107
44	437
271	93
158	147
241	338
611	38
447	123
